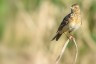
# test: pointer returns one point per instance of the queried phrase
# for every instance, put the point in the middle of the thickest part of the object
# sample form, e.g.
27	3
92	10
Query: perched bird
70	23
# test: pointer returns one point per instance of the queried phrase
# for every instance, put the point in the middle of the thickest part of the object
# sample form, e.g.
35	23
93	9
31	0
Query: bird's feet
71	37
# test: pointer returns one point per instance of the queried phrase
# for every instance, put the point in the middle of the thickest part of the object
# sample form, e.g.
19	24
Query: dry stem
63	49
76	55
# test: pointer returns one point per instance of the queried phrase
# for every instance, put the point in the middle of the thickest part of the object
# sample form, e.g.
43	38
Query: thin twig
76	55
63	49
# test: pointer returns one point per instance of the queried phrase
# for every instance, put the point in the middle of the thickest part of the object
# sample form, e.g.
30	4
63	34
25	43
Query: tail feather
57	36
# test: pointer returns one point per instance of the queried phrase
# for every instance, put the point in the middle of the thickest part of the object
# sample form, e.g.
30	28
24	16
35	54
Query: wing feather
64	22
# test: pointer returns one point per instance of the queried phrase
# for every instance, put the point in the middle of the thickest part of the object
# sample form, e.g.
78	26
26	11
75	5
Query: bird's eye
76	7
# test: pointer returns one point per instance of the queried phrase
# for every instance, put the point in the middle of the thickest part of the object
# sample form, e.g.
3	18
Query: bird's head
75	8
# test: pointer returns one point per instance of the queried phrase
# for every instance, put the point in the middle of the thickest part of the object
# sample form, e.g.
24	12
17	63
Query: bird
70	23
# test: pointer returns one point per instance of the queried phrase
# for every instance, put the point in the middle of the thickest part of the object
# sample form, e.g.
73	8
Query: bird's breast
74	23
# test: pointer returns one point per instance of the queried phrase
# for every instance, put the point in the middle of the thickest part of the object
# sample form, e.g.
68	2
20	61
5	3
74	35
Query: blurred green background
27	27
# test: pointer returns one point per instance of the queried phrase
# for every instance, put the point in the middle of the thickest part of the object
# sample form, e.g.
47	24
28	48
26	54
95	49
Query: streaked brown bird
70	23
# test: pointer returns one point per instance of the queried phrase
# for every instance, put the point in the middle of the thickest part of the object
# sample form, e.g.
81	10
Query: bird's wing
64	22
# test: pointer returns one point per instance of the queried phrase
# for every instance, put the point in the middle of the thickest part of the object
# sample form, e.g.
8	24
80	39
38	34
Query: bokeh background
27	27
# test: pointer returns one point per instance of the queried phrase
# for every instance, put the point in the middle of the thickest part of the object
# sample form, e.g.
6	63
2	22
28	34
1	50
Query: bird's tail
57	36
